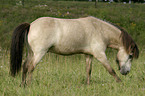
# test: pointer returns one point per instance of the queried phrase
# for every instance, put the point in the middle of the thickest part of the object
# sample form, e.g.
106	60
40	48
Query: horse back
63	36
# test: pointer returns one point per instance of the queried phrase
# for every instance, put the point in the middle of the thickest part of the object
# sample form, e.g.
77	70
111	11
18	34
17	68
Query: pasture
59	75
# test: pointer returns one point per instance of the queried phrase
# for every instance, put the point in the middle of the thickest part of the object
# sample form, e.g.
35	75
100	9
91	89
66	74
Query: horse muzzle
124	71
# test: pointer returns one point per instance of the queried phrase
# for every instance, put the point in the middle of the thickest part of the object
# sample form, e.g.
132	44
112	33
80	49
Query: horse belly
66	49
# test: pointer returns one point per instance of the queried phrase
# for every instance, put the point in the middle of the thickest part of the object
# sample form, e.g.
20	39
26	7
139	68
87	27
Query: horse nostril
126	72
123	72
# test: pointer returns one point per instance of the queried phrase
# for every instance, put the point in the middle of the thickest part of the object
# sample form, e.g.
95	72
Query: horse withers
90	36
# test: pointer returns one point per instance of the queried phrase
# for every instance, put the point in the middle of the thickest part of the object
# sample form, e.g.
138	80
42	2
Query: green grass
65	76
56	75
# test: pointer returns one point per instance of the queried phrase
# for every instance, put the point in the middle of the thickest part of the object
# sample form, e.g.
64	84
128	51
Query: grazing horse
90	36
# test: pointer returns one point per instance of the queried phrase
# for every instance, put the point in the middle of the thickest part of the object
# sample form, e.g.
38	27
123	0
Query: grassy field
65	76
57	75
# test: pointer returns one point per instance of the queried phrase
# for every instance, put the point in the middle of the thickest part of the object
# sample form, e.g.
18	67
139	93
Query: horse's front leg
103	59
88	67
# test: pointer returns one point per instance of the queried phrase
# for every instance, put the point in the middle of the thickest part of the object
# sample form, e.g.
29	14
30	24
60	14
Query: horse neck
114	38
111	33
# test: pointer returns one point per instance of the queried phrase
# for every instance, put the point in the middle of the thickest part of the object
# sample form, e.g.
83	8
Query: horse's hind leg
35	59
25	68
88	67
29	66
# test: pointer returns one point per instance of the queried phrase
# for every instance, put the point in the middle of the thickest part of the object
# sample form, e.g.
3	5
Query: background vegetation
63	76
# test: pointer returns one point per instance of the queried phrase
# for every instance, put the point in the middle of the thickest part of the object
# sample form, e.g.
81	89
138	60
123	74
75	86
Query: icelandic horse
90	36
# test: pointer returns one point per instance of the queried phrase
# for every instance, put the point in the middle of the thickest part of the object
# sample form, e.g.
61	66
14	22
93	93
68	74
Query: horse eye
117	61
130	56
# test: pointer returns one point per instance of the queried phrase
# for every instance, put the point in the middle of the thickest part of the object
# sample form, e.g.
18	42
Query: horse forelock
128	43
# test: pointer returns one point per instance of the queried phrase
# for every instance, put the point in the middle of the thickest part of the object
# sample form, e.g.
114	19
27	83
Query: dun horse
89	36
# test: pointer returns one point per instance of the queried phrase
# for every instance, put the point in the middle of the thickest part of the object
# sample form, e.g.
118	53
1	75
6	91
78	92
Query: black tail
17	45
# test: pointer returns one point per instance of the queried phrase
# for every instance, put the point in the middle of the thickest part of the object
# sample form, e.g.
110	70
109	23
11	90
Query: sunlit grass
62	76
